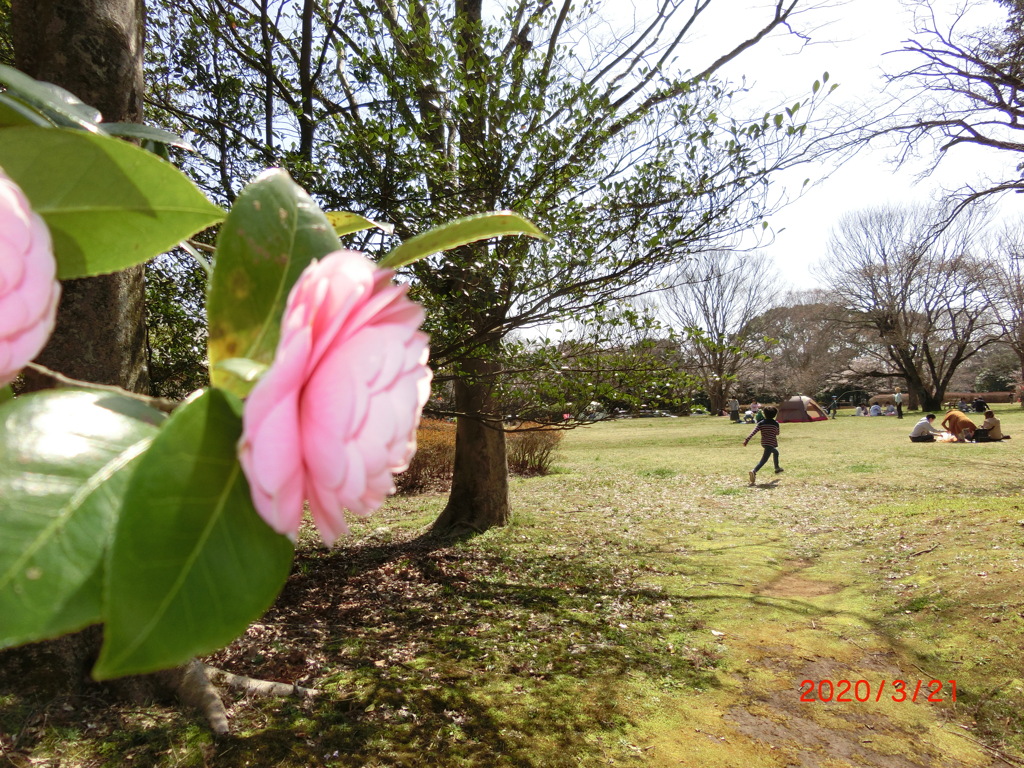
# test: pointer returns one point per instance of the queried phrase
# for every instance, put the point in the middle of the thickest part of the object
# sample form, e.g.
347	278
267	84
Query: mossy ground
647	607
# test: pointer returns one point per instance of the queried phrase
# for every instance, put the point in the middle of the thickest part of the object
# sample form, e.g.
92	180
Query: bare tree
916	295
965	87
810	347
714	298
1005	286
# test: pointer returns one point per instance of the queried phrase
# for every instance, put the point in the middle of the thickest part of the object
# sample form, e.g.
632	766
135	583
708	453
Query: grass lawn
646	608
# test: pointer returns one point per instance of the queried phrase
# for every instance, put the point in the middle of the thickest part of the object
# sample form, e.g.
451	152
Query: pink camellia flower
29	291
335	415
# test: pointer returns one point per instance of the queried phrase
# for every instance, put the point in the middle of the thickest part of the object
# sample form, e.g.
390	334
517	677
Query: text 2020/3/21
864	690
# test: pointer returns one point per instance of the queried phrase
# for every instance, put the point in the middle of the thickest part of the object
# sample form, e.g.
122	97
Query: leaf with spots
273	232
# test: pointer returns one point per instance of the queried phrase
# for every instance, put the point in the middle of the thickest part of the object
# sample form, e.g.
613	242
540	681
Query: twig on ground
720	583
925	551
1008	759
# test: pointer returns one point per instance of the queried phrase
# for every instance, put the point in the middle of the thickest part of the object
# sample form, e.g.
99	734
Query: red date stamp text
934	691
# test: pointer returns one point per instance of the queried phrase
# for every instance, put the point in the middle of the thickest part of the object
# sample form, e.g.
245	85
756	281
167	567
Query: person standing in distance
769	429
734	409
898	399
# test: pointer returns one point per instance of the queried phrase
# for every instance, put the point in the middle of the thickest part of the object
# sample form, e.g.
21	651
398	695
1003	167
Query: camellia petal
336	414
29	291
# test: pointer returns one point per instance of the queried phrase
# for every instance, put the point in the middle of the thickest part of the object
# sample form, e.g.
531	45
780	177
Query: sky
850	40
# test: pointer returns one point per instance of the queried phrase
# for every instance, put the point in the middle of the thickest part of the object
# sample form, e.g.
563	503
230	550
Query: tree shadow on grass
434	654
442	654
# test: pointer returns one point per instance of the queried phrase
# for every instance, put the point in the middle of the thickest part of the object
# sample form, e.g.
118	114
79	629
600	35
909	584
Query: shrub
431	467
531	448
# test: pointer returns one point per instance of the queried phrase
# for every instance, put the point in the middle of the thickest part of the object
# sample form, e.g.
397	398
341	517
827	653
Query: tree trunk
1020	384
94	49
479	495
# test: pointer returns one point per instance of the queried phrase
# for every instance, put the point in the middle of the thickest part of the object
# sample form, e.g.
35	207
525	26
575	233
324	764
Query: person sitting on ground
875	410
980	405
959	425
923	431
859	411
990	430
961	404
890	410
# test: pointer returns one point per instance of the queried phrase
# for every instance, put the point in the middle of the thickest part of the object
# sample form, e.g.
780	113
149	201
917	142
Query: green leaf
65	460
109	205
6	393
273	232
460	232
346	223
14	112
58	105
146	133
192	564
247	372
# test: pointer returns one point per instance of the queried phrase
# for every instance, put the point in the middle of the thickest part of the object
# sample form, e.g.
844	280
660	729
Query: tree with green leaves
418	113
176	531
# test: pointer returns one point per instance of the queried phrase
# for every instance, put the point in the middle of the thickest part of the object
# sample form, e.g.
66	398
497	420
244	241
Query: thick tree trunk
100	334
479	495
94	49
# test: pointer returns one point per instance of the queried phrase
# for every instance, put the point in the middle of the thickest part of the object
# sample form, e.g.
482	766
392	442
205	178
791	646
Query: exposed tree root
194	684
194	689
259	687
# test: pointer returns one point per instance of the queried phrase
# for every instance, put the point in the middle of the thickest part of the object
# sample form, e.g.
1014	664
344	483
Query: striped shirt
769	433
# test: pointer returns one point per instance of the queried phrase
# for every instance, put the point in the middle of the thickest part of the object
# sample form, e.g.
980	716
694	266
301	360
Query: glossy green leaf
109	205
346	223
58	105
273	232
65	460
15	113
146	133
460	232
192	564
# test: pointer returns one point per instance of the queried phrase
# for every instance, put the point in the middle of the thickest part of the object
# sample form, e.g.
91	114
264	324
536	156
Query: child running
769	429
